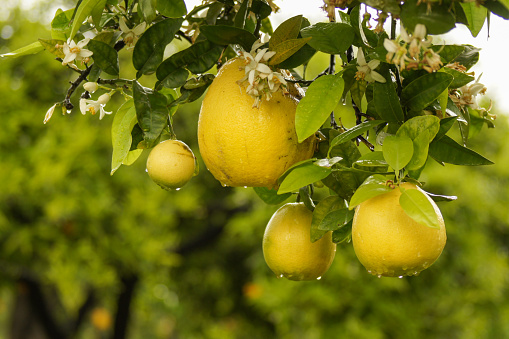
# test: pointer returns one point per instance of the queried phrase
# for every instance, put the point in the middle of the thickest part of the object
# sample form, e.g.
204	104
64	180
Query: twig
182	34
74	85
258	25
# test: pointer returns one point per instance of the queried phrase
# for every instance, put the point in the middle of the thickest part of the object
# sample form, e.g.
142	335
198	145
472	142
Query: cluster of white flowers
94	106
131	36
260	80
413	51
467	95
366	70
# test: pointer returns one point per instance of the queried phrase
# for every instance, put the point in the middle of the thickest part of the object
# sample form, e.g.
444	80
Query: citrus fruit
171	164
242	145
287	246
390	243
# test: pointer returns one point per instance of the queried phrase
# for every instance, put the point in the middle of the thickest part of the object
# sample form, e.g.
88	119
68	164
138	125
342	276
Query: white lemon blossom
469	94
366	70
75	51
131	35
94	106
261	80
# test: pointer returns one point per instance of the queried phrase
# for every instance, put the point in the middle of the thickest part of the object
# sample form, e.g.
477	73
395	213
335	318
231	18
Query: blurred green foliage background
192	260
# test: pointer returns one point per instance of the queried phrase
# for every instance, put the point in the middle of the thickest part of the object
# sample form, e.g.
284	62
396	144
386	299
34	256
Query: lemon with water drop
287	246
171	164
243	145
389	243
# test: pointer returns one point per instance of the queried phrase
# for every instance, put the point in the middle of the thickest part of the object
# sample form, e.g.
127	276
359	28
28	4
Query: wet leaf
421	130
105	56
121	139
303	175
321	98
225	35
331	38
270	196
386	99
286	49
83	11
33	48
437	17
354	132
398	151
171	8
417	206
476	16
421	92
449	151
367	191
148	51
324	207
336	219
287	30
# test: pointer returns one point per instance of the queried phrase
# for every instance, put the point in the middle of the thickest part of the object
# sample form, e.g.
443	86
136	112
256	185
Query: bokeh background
87	255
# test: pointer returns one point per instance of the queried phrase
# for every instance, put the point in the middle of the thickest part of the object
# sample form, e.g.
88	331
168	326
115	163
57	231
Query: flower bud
103	99
91	87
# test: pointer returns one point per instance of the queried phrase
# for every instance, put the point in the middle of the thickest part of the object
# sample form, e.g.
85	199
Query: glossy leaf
445	126
324	207
241	16
105	56
498	7
332	38
60	27
287	30
459	78
449	151
151	111
148	51
386	102
270	196
97	13
121	139
343	234
354	132
261	8
424	90
398	151
171	8
286	49
147	8
321	98
417	206
83	11
300	57
448	52
366	192
476	16
33	48
469	57
421	130
436	16
302	175
225	35
198	58
336	219
49	45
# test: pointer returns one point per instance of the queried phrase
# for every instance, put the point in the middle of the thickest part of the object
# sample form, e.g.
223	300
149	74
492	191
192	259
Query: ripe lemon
171	164
101	318
390	243
246	146
287	246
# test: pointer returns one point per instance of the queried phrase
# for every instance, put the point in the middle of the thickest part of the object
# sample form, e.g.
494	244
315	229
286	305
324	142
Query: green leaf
151	112
225	35
476	16
321	98
148	51
105	56
97	13
448	52
336	219
324	207
357	91
132	156
460	78
445	126
398	151
241	16
60	27
424	90
370	188
437	16
198	58
443	99
498	7
300	57
33	48
171	8
270	196
417	206
421	130
331	38
387	102
354	132
302	175
261	8
147	9
372	160
469	57
121	137
286	49
449	151
343	234
83	11
49	45
287	30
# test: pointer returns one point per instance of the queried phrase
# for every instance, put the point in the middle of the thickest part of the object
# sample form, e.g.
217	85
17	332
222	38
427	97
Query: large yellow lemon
171	164
287	246
390	243
246	146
